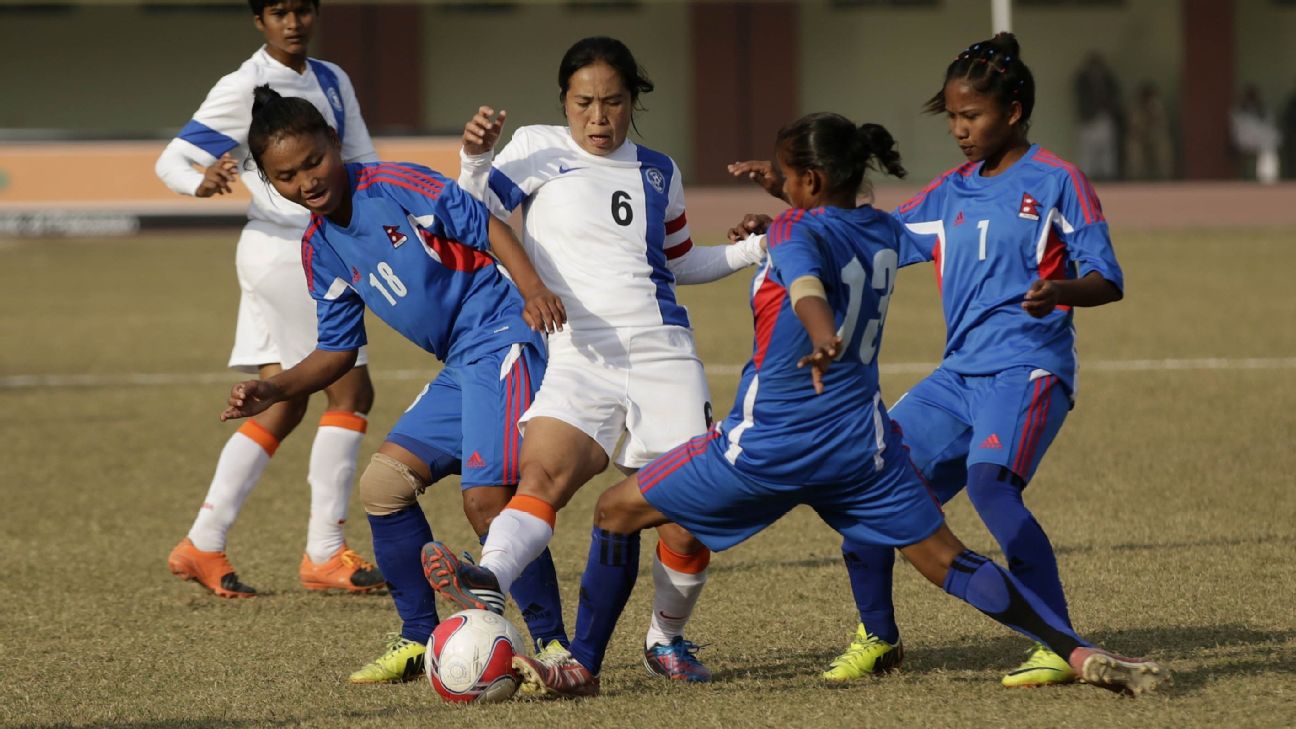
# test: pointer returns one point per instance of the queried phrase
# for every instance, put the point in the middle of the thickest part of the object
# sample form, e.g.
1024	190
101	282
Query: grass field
1170	495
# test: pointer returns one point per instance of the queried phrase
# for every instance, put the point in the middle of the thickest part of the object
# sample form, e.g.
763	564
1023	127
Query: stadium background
1169	496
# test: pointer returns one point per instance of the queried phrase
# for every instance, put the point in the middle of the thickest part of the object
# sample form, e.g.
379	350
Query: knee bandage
387	486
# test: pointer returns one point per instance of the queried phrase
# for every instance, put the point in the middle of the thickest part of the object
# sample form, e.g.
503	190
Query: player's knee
355	394
388	486
482	504
614	513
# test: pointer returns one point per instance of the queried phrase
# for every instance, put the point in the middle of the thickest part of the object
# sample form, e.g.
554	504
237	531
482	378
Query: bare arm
817	318
544	310
320	369
1044	295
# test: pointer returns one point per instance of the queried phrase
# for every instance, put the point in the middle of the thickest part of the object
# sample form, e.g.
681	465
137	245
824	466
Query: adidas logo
958	219
992	442
475	461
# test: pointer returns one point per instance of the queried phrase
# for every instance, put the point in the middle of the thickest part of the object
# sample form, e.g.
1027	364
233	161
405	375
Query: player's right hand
544	311
483	130
250	397
217	177
762	172
820	359
751	224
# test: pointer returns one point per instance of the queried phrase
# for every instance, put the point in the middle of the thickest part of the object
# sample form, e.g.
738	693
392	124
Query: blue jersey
414	253
990	238
779	429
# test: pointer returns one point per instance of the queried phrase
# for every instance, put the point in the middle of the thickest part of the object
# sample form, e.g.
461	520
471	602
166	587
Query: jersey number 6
853	275
622	213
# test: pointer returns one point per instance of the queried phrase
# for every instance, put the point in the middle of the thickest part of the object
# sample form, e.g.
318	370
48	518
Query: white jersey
608	234
221	125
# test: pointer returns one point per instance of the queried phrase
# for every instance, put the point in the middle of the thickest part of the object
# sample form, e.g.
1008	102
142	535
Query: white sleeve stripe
336	289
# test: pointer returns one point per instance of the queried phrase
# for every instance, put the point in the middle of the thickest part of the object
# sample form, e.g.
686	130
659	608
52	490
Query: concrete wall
509	59
881	65
126	70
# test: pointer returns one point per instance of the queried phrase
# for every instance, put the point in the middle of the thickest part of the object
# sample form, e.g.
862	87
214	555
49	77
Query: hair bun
1006	43
263	95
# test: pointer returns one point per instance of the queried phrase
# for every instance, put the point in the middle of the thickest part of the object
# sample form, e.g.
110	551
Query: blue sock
536	593
991	589
996	493
870	570
398	540
610	574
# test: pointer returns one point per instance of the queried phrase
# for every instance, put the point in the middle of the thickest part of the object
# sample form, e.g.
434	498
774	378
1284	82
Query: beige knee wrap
387	486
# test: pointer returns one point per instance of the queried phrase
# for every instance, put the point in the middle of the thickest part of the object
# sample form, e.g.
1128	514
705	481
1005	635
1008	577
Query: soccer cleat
212	570
345	570
466	585
550	654
1130	676
1042	667
402	662
677	661
556	675
867	655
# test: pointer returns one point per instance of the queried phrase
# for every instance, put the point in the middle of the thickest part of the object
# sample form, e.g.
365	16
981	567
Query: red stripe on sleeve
679	249
674	226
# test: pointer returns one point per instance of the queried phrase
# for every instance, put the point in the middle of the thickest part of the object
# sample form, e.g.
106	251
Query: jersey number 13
885	263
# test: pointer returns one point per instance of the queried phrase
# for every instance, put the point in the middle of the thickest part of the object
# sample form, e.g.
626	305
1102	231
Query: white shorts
646	383
276	316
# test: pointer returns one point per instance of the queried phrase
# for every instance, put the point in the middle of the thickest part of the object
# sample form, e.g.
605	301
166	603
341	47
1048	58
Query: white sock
331	477
238	469
675	594
515	539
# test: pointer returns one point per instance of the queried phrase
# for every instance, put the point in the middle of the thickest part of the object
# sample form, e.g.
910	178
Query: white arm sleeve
474	177
175	166
704	264
220	125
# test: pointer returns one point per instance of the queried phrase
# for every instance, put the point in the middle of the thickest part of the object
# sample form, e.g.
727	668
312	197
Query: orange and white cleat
212	570
345	570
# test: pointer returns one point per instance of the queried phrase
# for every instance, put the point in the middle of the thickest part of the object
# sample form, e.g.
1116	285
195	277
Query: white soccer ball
470	657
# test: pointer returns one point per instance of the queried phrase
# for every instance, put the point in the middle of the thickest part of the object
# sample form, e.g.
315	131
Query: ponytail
833	144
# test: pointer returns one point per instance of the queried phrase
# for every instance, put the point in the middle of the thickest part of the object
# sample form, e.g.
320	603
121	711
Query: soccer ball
470	657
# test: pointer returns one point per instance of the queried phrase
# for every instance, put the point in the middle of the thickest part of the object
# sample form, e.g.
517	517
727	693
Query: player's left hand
751	224
544	311
483	130
819	360
250	397
1041	298
762	172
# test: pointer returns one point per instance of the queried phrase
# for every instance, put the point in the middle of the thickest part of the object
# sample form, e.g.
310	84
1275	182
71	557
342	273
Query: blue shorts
952	422
696	487
465	420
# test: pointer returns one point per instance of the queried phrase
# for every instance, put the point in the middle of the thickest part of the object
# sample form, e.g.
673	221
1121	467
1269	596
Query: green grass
1169	496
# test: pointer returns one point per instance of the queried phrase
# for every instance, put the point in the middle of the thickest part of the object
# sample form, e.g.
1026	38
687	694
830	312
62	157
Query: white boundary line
143	379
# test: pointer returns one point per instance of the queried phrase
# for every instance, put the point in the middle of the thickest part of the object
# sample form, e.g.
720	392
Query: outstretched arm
544	310
320	369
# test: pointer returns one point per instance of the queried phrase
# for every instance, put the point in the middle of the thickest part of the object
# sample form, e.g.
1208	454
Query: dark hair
259	6
607	50
274	115
993	67
833	144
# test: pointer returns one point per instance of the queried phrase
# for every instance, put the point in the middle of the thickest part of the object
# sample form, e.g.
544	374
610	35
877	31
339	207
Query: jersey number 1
853	275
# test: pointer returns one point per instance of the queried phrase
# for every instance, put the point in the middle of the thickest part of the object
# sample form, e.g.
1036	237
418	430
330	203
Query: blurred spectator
1098	102
1289	138
1255	136
1149	146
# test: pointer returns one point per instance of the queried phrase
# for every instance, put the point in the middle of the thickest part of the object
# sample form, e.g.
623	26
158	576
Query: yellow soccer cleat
1042	667
552	653
867	655
402	662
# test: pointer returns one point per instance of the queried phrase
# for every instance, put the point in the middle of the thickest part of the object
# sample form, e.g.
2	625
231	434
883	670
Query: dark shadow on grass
1214	648
751	565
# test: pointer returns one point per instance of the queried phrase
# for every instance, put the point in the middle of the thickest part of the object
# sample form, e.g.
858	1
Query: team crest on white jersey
656	179
395	235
